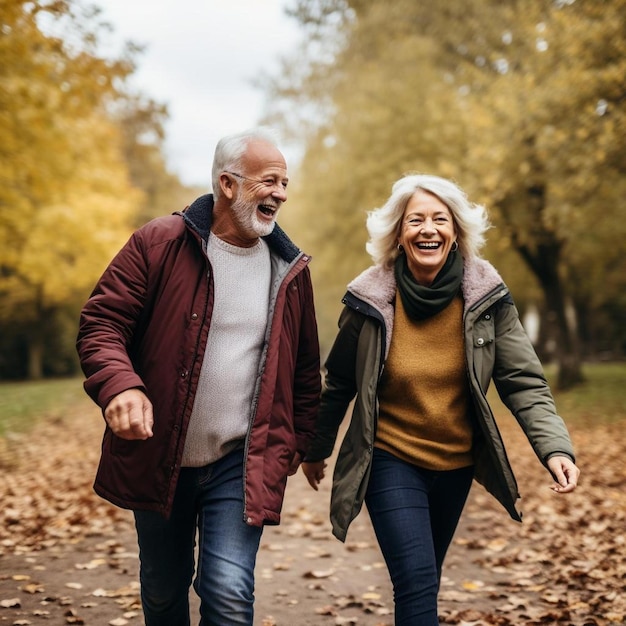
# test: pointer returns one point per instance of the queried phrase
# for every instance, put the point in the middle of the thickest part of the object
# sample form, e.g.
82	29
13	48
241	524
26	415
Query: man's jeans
414	513
210	498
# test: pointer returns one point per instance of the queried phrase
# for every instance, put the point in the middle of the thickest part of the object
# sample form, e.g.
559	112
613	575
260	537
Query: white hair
383	224
230	149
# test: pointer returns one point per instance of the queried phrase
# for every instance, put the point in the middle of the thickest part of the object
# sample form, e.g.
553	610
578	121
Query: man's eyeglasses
268	182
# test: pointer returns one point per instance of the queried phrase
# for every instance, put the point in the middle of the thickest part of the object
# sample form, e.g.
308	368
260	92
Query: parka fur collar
377	286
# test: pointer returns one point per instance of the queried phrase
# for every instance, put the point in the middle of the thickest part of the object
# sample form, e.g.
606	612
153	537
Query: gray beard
245	215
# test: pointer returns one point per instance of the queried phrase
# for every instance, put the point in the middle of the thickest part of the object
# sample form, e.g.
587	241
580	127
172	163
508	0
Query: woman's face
427	235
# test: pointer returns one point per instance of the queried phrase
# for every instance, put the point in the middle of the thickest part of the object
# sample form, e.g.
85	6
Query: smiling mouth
268	210
428	245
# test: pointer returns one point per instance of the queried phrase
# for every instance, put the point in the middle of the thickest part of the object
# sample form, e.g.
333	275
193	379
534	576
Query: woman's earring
400	248
455	246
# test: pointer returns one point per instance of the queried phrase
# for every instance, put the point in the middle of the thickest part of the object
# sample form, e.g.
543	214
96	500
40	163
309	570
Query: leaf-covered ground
67	557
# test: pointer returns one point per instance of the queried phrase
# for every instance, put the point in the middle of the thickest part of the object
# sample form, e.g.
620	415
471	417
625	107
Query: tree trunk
35	338
540	248
35	356
565	333
544	264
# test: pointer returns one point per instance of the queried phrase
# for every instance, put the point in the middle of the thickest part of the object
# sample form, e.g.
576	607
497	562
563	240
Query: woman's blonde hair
383	224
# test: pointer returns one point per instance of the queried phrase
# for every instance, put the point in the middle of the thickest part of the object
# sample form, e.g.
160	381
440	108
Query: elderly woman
422	333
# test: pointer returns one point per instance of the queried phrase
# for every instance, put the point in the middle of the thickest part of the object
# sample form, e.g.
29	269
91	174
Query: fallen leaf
472	585
91	565
319	574
371	596
326	610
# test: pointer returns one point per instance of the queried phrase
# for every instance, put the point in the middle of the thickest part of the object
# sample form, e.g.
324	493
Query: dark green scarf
421	302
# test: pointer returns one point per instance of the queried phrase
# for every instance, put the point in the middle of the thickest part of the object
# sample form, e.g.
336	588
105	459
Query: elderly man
199	343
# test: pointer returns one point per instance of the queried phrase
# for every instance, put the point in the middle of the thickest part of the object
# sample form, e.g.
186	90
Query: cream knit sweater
222	408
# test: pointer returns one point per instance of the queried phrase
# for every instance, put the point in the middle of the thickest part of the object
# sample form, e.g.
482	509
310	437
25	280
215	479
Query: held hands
295	464
564	472
314	472
129	415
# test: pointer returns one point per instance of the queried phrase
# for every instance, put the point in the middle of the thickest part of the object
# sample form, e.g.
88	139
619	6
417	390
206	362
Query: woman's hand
565	473
314	472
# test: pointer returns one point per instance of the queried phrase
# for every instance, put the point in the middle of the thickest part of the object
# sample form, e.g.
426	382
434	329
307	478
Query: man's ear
226	185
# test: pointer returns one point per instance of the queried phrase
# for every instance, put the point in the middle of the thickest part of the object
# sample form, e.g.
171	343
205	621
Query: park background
523	103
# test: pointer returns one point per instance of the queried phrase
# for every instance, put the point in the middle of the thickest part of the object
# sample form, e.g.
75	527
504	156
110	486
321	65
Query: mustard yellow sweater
423	393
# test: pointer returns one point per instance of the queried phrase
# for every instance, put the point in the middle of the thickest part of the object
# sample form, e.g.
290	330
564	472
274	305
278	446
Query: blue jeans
414	513
211	499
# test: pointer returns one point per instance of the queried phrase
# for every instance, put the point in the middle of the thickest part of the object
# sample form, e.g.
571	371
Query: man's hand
129	415
295	464
565	473
314	472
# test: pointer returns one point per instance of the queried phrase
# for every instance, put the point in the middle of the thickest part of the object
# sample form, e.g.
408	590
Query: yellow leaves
69	241
20	577
66	203
32	587
370	595
472	585
498	544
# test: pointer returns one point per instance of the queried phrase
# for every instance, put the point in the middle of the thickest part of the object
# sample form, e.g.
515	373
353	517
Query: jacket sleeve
107	323
339	385
522	386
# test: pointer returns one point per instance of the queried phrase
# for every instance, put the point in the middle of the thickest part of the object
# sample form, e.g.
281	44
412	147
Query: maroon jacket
146	325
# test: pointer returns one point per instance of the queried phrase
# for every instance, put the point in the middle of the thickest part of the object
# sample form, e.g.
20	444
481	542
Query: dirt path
305	577
67	557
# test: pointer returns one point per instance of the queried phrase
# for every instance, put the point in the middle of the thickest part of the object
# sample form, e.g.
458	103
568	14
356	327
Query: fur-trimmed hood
377	286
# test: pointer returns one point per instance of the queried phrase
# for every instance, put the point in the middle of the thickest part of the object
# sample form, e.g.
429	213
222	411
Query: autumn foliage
80	159
520	102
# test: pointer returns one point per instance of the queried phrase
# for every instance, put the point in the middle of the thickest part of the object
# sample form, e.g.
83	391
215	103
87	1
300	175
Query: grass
600	399
23	404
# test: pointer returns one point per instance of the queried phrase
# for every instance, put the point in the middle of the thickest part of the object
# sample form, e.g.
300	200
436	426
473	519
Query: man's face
260	190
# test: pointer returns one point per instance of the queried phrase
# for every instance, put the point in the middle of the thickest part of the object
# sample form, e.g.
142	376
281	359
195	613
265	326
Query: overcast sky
200	59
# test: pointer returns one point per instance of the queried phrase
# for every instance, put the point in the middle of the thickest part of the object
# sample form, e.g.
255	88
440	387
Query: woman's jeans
210	498
414	513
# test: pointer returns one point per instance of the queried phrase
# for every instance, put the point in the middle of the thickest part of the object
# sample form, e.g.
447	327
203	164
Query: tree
359	144
546	111
65	198
523	103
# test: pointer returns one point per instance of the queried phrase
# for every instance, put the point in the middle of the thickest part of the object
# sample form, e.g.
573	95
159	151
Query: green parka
496	348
